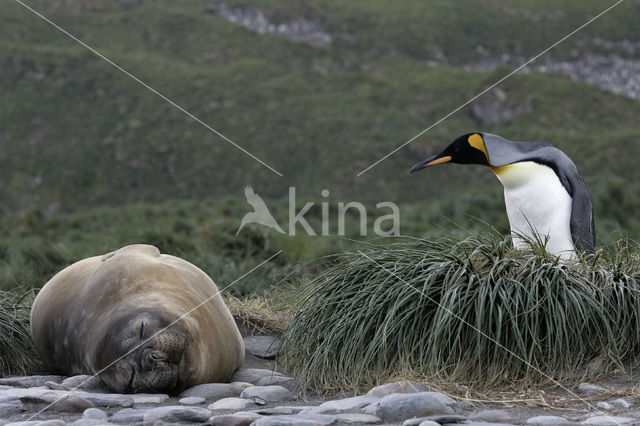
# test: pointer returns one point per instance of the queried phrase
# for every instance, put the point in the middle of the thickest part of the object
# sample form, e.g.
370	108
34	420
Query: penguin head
467	149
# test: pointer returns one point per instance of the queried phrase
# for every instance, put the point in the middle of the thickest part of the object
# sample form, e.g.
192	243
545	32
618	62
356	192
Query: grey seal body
122	316
555	205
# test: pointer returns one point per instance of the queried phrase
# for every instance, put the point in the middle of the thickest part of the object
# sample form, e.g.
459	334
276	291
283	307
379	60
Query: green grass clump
472	312
17	353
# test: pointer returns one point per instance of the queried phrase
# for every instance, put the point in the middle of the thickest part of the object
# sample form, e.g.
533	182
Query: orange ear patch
476	142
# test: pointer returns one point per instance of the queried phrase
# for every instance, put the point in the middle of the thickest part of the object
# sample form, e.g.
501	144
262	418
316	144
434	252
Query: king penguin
543	191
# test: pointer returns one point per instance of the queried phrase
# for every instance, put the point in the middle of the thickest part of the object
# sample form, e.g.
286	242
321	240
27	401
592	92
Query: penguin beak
431	161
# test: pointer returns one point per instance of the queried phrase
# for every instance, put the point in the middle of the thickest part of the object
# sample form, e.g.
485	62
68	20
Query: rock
55	386
397	387
149	398
262	346
441	419
85	382
107	399
429	423
7	410
357	419
267	393
237	419
241	385
487	424
609	421
297	420
234	404
345	404
274	380
128	415
192	400
285	410
94	414
604	405
212	391
10	399
30	381
497	107
177	413
587	388
620	403
252	375
547	420
402	406
493	416
89	422
38	423
69	404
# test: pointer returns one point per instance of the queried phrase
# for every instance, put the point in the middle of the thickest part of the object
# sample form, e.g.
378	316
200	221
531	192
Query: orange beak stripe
441	160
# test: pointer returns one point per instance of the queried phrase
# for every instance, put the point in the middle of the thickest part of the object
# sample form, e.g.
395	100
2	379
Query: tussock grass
472	312
17	353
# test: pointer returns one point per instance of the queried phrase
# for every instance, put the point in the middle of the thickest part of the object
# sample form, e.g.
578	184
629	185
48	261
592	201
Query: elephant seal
94	318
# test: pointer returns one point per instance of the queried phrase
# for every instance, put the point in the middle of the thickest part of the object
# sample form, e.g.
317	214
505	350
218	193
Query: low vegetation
471	312
17	354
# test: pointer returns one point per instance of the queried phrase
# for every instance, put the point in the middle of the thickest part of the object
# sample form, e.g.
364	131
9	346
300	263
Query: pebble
262	346
237	419
494	416
149	398
609	421
177	413
346	404
297	420
358	419
69	404
397	387
212	391
285	409
192	400
89	422
267	394
439	419
274	380
30	381
620	403
242	385
252	375
231	404
128	415
402	406
85	382
547	420
94	414
55	386
10	399
107	399
604	405
7	410
587	388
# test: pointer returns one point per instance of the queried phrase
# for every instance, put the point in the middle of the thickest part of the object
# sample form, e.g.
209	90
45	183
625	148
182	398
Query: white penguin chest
537	202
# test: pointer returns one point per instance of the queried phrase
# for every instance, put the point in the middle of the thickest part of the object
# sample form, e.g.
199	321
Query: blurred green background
90	160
